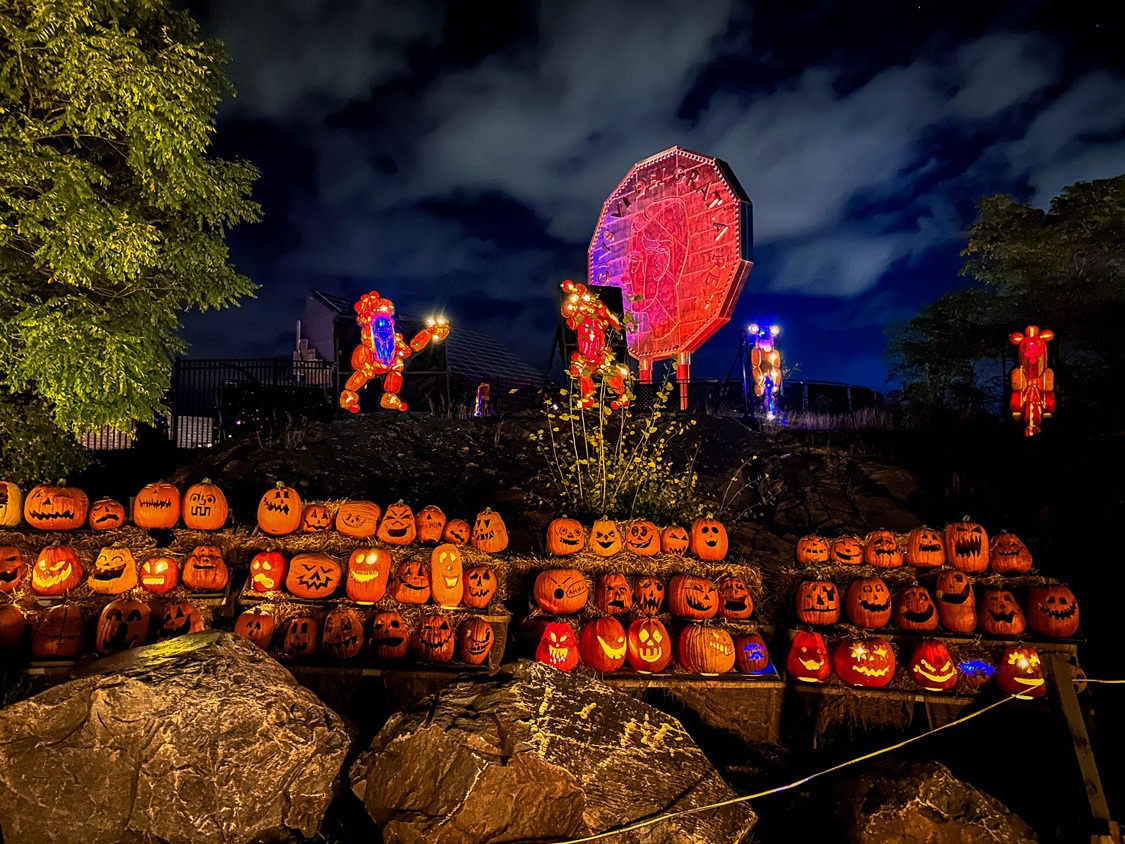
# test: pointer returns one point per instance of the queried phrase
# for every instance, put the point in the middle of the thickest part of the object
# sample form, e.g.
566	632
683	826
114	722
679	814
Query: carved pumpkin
1020	672
61	634
475	638
11	505
966	546
180	618
751	656
257	625
648	595
56	507
846	550
605	538
648	647
956	601
643	538
705	650
708	540
560	591
301	634
808	657
818	602
57	570
205	570
692	597
122	624
11	568
434	641
157	506
914	609
114	572
565	537
411	582
866	663
931	666
429	522
735	600
868	602
315	518
106	514
558	646
613	595
812	550
160	573
1052	611
480	586
13	626
447	582
389	637
1007	553
358	518
456	531
279	510
267	571
601	644
313	575
342	636
205	506
397	525
369	571
1000	613
925	548
490	534
881	549
674	540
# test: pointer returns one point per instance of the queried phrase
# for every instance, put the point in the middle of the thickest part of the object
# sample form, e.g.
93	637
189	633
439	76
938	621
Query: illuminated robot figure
589	318
1033	382
765	365
383	351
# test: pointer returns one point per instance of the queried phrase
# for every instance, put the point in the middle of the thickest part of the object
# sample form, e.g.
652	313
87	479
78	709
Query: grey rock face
201	738
541	756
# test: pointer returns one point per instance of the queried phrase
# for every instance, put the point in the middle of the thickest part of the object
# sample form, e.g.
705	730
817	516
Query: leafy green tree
113	216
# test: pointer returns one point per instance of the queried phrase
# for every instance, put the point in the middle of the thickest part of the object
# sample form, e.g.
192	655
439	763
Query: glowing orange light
1033	382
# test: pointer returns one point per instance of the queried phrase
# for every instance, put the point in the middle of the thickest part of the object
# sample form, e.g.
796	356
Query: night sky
455	156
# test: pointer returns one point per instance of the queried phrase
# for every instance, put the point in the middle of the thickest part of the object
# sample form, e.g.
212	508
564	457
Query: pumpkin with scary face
56	507
846	551
61	634
692	597
868	602
674	540
925	548
11	568
389	637
643	538
456	531
956	601
914	609
411	582
342	637
648	595
565	536
447	582
106	514
313	575
560	591
429	522
735	600
257	625
1020	672
315	518
480	586
808	658
123	624
300	637
1000	614
648	647
605	538
931	666
818	602
12	627
434	641
205	506
267	571
157	506
751	656
205	570
613	595
558	646
358	518
490	534
812	550
1007	553
707	540
397	525
966	546
160	573
369	570
279	510
114	572
180	618
57	570
705	650
601	644
11	505
881	549
1052	611
865	663
475	639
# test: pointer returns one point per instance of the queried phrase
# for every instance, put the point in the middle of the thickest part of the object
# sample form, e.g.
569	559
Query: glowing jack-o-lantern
956	601
475	638
1000	614
389	637
966	546
480	586
358	518
342	635
565	536
429	522
313	575
267	571
1052	611
674	540
256	624
558	646
881	549
612	594
122	624
57	570
160	573
1007	553
925	548
205	570
818	602
866	663
447	582
279	510
868	602
11	568
735	600
846	550
1020	672
315	518
114	572
106	514
751	655
812	550
490	534
411	582
705	650
601	644
648	595
205	506
369	571
157	506
914	609
693	597
397	527
560	591
605	538
931	666
707	540
642	537
56	507
648	647
808	657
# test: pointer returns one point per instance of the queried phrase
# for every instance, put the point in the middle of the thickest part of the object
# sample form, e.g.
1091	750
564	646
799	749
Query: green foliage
32	447
113	216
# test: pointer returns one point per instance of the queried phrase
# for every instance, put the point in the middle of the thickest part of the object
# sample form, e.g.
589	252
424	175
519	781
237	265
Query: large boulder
201	738
541	755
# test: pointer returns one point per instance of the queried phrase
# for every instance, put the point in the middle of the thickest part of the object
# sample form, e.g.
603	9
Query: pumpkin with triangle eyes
411	582
1007	553
301	635
313	575
708	540
106	514
279	510
812	550
434	640
818	602
56	507
257	625
180	618
1052	610
956	601
397	526
315	518
601	644
674	540
881	549
925	548
642	537
648	595
342	636
605	538
490	534
358	518
480	586
429	522
389	637
57	570
475	638
114	572
648	646
565	536
931	666
693	597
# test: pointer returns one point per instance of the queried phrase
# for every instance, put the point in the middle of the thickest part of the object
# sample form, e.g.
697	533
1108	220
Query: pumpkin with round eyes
342	636
558	646
114	572
707	540
846	550
612	593
565	536
475	638
57	570
157	506
812	550
605	538
434	641
397	525
1007	553
122	624
560	591
369	570
601	644
61	634
106	514
313	575
411	582
956	601
56	507
389	637
808	657
180	618
966	546
648	595
648	647
642	537
11	505
315	518
705	650
1020	672
12	566
160	573
925	548
279	510
865	663
358	518
429	522
692	597
674	540
13	626
914	609
490	534
447	582
1052	611
205	570
881	549
267	571
931	666
300	637
1000	614
480	586
751	656
868	602
818	602
456	531
205	506
257	625
735	600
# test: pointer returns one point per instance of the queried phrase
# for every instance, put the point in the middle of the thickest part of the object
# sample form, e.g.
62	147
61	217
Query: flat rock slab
541	756
202	738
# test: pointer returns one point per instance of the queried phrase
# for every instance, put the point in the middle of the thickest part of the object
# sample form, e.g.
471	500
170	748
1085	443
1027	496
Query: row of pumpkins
562	591
870	662
706	540
1049	609
963	545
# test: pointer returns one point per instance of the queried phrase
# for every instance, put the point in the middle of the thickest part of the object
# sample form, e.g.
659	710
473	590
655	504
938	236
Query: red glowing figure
589	318
383	351
1033	382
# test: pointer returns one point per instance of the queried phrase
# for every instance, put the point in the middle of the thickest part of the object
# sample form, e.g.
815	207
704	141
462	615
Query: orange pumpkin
180	618
434	640
605	538
369	570
1020	672
456	531
735	600
57	570
11	505
818	602
812	550
205	570
914	609
114	572
565	536
956	601
643	538
397	525
342	636
12	628
1007	553
648	647
160	573
106	514
751	654
692	597
122	624
706	650
490	534
267	571
61	634
447	582
205	506
881	549
560	591
966	546
846	550
925	548
315	518
648	595
1000	614
674	540
389	637
279	510
302	633
429	523
1052	610
411	582
708	539
313	575
11	568
612	593
358	518
480	586
475	638
868	602
601	644
257	625
863	662
56	507
157	506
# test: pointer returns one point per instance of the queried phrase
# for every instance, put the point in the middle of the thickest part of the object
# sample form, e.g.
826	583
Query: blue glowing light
977	668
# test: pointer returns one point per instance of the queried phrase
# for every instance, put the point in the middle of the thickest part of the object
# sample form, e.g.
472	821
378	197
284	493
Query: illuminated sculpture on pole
676	236
1033	382
765	365
383	351
589	318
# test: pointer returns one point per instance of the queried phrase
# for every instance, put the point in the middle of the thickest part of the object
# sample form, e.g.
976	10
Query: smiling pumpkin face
648	647
114	572
279	510
475	638
57	570
708	540
447	575
480	586
315	518
931	666
369	571
956	601
397	526
914	609
565	536
358	518
643	538
411	583
605	538
881	550
1000	613
692	597
868	602
808	657
846	551
601	644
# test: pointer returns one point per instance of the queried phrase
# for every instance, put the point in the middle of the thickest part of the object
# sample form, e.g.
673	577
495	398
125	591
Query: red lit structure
1033	382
